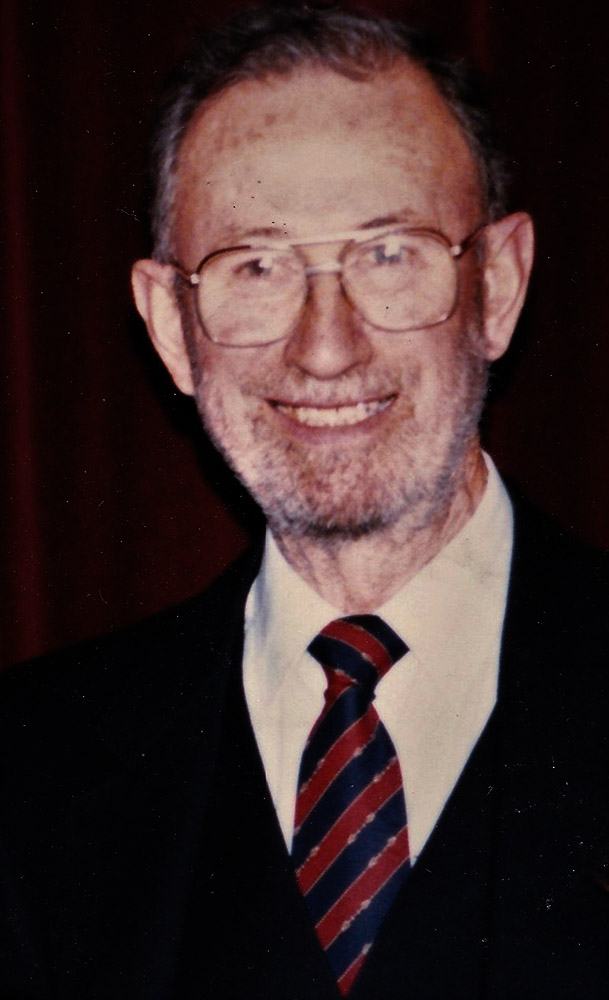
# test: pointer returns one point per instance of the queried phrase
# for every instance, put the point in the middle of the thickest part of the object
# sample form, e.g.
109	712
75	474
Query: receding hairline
397	65
268	40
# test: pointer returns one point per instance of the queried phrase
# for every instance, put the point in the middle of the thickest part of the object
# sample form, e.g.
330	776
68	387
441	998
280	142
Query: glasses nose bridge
323	257
311	270
315	266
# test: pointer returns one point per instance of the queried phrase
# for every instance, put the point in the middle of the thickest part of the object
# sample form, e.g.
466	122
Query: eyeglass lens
400	281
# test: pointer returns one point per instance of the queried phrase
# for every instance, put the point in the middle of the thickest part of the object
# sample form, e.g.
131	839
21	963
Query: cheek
445	361
428	365
223	396
239	377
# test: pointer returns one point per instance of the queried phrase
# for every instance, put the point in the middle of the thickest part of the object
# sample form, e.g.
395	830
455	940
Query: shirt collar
283	613
438	607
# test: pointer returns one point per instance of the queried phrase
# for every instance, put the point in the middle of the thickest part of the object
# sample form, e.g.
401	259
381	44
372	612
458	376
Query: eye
261	266
393	250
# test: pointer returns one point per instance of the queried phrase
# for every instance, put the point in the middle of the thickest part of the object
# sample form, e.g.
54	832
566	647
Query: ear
509	246
155	298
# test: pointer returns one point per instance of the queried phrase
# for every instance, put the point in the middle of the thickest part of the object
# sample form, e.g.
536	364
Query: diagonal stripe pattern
350	846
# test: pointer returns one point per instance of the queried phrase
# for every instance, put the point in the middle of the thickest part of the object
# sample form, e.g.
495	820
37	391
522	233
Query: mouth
333	416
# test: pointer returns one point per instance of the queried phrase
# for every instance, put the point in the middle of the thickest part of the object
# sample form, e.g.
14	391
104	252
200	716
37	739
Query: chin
351	498
332	522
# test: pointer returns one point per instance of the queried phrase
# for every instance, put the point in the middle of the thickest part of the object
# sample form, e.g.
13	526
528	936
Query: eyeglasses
397	279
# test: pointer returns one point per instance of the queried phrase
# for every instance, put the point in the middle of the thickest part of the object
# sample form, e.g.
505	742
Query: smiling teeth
339	416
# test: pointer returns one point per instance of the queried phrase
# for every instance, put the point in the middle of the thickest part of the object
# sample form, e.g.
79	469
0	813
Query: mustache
305	390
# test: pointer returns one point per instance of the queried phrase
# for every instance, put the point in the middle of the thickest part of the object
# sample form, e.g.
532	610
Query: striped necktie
350	846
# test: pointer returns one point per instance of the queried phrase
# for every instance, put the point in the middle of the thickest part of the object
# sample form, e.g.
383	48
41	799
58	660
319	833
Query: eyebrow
261	231
407	217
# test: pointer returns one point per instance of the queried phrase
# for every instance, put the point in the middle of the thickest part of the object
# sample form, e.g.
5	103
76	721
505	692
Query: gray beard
419	494
337	501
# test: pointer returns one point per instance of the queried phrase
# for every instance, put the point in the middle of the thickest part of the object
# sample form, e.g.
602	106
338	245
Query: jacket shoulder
133	680
555	643
550	560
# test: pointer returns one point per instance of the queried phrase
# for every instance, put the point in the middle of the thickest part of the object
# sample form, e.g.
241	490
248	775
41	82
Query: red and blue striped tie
350	845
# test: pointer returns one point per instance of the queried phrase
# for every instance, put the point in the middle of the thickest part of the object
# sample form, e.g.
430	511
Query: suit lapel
421	950
211	880
504	880
248	930
548	776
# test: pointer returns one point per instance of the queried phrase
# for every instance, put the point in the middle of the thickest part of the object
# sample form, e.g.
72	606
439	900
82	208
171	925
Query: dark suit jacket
142	858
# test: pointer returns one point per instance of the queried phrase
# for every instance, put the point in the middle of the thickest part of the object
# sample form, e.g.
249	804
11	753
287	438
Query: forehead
314	149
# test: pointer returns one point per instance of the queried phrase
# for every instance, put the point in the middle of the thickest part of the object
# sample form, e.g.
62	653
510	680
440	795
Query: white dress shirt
434	702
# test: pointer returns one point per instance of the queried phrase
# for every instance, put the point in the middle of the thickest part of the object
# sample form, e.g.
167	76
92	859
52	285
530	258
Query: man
211	804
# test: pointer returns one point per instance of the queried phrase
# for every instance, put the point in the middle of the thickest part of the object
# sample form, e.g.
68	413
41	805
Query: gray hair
275	40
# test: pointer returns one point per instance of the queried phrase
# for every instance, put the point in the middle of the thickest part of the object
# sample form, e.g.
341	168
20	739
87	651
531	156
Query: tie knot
361	648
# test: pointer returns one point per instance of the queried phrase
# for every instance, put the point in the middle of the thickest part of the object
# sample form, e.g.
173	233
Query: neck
358	575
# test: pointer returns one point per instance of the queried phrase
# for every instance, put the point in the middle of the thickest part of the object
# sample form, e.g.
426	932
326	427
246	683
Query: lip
334	417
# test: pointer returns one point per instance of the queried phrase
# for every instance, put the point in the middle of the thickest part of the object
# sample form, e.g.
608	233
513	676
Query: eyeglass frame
350	237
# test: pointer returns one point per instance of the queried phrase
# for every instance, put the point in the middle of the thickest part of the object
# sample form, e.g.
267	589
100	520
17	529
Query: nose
328	340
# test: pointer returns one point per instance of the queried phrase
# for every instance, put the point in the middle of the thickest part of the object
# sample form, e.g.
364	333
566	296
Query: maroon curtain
113	505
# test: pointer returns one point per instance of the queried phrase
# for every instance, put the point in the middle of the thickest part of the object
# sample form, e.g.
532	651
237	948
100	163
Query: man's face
310	154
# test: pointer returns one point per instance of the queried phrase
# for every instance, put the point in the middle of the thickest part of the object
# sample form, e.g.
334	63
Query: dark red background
113	506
